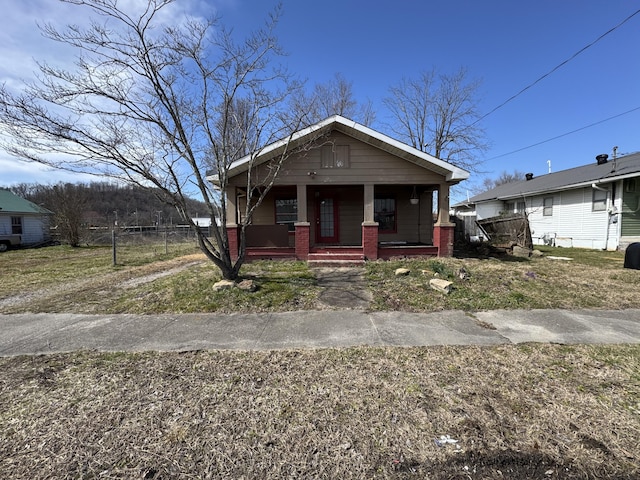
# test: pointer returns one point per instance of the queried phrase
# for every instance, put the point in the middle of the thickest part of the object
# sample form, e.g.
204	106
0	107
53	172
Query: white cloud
16	171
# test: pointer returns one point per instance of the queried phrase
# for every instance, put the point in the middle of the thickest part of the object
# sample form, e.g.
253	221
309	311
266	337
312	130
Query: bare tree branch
156	105
437	114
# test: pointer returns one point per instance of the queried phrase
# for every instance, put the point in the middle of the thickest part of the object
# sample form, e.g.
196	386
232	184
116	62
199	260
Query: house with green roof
22	219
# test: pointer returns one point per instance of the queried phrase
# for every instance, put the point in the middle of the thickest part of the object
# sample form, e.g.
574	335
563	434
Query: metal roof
11	203
611	171
359	132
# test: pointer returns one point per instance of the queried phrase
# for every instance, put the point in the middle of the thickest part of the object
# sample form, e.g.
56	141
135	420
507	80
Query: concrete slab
441	328
562	326
318	329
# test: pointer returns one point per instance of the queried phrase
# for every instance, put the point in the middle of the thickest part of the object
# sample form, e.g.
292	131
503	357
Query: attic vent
602	158
528	176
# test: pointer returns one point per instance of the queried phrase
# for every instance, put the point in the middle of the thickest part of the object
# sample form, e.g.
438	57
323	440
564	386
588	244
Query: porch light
414	200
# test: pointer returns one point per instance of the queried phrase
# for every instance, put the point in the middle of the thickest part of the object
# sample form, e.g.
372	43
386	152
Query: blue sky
506	44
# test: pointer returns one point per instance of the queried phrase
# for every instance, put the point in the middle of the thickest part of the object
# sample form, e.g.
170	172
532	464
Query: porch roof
355	130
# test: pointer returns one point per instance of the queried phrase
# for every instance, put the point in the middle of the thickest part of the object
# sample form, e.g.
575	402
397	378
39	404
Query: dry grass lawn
540	412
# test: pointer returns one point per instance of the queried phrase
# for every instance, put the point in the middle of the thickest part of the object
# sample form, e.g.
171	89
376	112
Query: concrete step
335	259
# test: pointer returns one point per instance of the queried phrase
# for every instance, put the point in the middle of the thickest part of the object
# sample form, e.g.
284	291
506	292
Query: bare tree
503	178
68	202
332	98
438	114
158	105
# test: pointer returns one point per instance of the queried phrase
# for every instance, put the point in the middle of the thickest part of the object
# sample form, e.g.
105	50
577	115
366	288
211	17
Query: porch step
335	259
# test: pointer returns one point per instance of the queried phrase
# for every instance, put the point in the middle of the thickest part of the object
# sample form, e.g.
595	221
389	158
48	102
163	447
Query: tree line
78	207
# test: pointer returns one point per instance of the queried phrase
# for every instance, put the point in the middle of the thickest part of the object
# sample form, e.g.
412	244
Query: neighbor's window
547	209
522	207
16	225
384	212
599	203
334	156
509	207
287	212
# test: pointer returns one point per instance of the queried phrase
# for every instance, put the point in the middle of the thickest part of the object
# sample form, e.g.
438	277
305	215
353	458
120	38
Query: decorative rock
519	251
441	285
402	271
247	286
223	285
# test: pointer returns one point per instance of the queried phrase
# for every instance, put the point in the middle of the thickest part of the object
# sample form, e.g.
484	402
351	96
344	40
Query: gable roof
578	177
11	203
359	132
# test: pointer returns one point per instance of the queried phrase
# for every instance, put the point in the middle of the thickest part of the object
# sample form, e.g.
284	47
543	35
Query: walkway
48	333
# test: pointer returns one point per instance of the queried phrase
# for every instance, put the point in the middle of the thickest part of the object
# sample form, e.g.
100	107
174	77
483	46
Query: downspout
608	210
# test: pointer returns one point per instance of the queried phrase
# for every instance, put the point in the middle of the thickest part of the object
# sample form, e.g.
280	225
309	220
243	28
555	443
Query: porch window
599	200
547	207
384	212
335	156
16	225
287	212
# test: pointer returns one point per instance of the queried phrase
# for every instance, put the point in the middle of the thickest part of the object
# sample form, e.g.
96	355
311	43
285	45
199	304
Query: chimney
602	158
528	176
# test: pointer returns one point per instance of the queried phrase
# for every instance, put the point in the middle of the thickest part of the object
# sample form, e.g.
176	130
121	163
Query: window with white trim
547	207
16	225
599	200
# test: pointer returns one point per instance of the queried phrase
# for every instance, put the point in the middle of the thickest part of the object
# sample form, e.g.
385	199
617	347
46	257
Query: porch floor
346	255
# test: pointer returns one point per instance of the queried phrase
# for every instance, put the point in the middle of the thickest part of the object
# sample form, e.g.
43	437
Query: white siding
488	209
572	224
5	225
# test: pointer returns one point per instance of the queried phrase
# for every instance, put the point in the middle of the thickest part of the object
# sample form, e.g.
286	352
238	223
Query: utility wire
564	134
557	67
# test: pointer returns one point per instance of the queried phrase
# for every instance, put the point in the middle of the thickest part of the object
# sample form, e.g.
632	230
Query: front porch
371	247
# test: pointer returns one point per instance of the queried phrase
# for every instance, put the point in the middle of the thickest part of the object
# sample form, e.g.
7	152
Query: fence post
113	243
166	246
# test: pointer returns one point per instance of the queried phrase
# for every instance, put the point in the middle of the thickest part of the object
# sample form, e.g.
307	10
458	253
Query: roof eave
365	134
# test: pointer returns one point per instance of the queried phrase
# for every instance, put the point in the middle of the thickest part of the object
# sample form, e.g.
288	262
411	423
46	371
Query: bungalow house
20	217
593	206
351	194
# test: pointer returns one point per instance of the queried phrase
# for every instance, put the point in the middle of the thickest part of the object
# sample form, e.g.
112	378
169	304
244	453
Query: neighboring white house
593	206
22	217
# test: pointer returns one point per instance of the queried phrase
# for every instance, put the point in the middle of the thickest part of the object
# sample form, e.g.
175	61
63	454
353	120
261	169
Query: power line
564	134
558	66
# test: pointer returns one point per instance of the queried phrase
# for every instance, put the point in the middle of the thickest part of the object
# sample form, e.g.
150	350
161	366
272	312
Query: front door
327	219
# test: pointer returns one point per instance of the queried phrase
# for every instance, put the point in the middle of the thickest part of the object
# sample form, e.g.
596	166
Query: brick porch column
443	230
302	240
232	235
443	239
370	240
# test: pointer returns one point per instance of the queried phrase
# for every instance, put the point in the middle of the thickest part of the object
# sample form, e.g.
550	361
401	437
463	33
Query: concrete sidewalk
49	333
